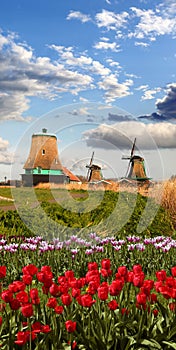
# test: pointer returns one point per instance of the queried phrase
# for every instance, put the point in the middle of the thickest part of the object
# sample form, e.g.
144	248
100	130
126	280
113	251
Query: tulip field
94	293
75	275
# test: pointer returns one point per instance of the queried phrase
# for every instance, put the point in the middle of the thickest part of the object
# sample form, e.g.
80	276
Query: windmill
43	163
136	168
94	171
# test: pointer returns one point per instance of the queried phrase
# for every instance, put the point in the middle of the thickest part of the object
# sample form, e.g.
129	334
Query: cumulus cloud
23	75
79	16
121	135
111	20
114	89
153	23
103	45
150	94
5	155
141	43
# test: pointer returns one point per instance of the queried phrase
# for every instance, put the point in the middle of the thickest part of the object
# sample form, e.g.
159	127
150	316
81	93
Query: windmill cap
44	133
137	158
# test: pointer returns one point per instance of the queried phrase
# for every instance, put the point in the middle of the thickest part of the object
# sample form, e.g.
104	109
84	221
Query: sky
95	73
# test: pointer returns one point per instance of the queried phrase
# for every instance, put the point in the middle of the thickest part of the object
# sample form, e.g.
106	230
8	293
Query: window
43	152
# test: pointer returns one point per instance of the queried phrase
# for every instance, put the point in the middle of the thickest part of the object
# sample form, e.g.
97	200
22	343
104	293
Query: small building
43	164
72	178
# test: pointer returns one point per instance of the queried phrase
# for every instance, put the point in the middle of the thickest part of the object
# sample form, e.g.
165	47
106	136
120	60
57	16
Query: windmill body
94	171
94	174
43	164
136	167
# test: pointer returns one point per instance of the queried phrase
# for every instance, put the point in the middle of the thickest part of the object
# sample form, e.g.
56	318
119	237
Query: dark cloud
167	106
154	117
119	118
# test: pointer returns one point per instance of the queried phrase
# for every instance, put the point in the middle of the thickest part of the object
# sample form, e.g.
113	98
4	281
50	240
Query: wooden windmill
136	168
94	171
43	164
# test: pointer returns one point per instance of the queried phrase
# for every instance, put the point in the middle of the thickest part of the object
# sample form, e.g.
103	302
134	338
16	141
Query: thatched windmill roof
43	152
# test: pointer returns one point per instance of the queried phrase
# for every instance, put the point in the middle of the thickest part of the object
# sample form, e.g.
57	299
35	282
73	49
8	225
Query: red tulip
66	299
70	326
15	304
102	292
113	305
52	303
76	292
173	271
27	310
69	274
106	272
17	286
59	309
122	270
45	329
124	311
2	271
54	290
34	293
141	298
161	275
106	264
85	300
138	279
37	327
27	279
22	297
155	312
92	266
137	269
7	295
115	287
22	338
30	269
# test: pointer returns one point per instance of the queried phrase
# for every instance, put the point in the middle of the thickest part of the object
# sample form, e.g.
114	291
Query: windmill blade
91	161
133	147
127	169
89	167
88	174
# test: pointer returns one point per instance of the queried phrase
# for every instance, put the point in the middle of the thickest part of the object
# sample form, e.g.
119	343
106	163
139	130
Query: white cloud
150	94
153	23
140	43
23	75
102	45
113	63
5	155
78	15
120	135
142	87
114	89
111	20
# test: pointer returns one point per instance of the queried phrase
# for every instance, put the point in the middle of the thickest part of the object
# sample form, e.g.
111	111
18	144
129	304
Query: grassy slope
107	212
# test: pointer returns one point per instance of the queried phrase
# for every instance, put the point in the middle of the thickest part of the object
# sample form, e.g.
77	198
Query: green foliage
111	213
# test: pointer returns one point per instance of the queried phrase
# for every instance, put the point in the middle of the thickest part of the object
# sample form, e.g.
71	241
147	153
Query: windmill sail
89	167
136	168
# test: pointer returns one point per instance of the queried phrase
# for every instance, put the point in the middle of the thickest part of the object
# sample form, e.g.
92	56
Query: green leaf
172	345
172	332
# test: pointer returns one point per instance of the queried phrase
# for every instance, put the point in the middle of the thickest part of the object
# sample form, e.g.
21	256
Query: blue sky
97	73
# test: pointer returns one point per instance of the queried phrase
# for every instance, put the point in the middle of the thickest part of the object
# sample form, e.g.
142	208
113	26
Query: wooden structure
43	164
136	167
72	178
94	171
